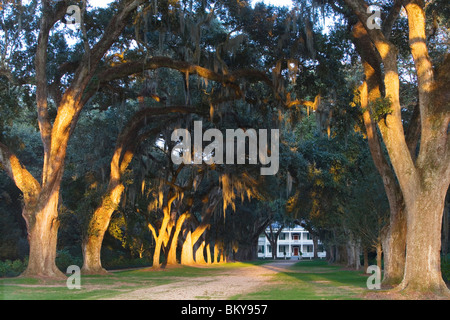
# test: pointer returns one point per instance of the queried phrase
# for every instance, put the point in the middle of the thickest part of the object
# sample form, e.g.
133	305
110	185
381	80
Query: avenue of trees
87	112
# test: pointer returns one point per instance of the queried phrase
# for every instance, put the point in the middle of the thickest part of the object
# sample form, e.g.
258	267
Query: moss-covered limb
380	108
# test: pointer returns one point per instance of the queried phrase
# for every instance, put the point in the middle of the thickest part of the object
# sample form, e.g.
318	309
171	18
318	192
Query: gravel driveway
231	282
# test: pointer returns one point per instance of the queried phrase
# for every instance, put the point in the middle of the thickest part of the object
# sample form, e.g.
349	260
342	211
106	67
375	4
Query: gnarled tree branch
23	179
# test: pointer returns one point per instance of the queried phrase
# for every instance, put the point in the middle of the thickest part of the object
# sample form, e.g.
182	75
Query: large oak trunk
423	242
200	254
92	242
216	253
394	246
91	248
160	240
172	256
42	237
247	252
187	251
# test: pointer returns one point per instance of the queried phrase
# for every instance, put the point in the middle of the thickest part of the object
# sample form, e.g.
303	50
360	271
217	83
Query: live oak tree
41	197
394	237
424	178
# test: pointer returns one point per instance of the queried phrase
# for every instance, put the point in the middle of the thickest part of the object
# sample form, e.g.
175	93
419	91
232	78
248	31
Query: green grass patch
105	286
95	286
303	280
311	280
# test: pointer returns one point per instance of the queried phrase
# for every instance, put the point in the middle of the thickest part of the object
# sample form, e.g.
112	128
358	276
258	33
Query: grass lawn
312	280
304	280
93	287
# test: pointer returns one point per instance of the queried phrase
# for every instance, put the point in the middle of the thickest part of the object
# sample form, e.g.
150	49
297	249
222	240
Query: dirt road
231	282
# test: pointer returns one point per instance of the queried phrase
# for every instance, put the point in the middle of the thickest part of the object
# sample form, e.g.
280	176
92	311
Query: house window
269	248
260	249
309	248
282	236
295	237
308	236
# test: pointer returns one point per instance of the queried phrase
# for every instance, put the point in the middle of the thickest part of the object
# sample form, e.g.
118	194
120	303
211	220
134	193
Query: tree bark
379	255
159	240
352	250
93	238
446	227
315	239
172	256
394	248
200	254
208	254
91	248
187	250
40	213
187	254
216	253
273	239
366	259
248	252
42	237
423	260
330	249
92	242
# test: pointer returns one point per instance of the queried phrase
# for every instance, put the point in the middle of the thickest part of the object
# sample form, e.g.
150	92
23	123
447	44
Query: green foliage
381	108
116	229
311	280
445	268
13	242
64	259
14	268
124	263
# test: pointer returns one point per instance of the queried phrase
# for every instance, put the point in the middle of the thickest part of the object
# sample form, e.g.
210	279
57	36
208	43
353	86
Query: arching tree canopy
356	116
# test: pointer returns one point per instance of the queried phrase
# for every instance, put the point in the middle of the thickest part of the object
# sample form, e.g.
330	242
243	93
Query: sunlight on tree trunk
423	261
394	240
423	182
208	254
216	253
379	251
187	251
42	236
394	248
199	254
160	239
172	256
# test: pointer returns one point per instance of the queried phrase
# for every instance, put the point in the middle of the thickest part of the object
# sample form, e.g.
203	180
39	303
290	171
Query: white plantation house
293	243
